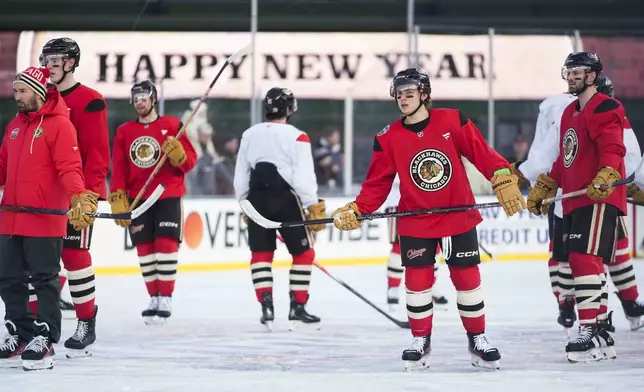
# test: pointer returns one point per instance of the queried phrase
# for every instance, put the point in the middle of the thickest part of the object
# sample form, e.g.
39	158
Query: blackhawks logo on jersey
570	147
145	151
430	170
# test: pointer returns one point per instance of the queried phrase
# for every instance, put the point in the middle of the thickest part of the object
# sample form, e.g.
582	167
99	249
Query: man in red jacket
40	167
138	146
88	113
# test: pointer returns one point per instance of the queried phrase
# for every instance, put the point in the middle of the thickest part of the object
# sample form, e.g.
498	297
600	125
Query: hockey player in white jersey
542	154
274	171
395	269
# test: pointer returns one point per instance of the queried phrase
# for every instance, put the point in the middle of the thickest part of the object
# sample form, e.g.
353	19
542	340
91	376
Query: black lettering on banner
170	64
305	65
104	66
144	64
391	64
212	231
200	66
235	66
345	68
281	71
475	61
229	228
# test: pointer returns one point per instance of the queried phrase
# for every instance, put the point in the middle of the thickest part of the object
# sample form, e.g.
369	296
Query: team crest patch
430	170
145	151
383	131
570	147
14	133
38	132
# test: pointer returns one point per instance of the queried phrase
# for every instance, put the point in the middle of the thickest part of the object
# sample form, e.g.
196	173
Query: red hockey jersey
88	113
137	150
431	173
590	138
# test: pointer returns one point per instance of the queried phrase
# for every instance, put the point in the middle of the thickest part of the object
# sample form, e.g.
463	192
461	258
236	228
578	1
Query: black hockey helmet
588	60
64	46
279	102
145	87
411	77
605	86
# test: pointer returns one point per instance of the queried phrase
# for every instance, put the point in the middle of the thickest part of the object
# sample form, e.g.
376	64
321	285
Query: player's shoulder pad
607	105
376	144
462	118
95	105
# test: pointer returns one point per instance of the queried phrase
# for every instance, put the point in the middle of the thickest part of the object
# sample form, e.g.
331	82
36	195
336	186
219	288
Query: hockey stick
635	203
103	215
487	252
401	324
582	192
256	217
231	59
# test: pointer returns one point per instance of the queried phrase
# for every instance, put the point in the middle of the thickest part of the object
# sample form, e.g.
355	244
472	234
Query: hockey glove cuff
174	150
345	218
120	204
605	176
317	211
82	207
508	193
544	188
636	193
514	169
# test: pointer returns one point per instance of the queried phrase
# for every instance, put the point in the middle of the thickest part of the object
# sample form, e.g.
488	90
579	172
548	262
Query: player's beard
576	89
31	105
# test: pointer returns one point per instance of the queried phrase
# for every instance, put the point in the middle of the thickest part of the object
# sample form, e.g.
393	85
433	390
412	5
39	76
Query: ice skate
586	346
633	310
164	311
67	308
483	354
607	344
416	357
82	342
12	347
39	353
268	312
150	313
567	315
393	298
298	316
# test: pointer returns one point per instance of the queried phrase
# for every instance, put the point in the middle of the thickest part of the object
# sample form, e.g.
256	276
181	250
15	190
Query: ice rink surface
214	341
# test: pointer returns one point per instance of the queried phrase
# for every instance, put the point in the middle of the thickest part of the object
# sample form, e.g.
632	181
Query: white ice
214	341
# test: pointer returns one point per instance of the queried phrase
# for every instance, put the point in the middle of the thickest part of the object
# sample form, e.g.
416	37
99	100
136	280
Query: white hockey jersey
545	146
286	147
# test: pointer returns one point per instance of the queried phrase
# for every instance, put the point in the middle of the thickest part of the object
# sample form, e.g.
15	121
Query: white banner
312	65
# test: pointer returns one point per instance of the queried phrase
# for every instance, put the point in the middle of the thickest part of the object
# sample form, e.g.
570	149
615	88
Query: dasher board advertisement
312	65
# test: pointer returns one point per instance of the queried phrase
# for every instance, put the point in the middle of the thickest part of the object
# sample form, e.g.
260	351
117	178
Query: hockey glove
245	219
82	204
606	175
636	194
317	211
344	218
174	150
120	204
514	169
508	193
544	188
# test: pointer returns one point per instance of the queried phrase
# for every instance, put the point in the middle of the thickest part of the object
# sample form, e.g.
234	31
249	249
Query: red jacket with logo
136	152
40	166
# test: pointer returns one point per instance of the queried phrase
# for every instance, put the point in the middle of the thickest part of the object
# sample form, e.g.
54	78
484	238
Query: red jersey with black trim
88	113
431	173
136	152
590	139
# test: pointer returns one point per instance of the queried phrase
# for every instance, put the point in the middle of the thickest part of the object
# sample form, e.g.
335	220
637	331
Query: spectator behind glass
201	180
329	158
520	153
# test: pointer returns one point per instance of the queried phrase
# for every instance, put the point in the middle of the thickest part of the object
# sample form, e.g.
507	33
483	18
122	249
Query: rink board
214	238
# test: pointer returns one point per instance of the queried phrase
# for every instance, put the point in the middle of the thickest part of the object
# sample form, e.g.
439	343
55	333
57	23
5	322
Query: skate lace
482	344
37	344
10	343
584	334
154	303
417	344
164	303
81	331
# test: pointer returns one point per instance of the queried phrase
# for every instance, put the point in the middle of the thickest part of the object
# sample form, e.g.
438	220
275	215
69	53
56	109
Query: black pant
38	257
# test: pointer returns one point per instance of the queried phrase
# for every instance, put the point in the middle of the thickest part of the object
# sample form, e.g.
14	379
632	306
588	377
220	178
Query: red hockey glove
82	204
544	188
317	211
120	204
174	150
606	175
344	218
508	193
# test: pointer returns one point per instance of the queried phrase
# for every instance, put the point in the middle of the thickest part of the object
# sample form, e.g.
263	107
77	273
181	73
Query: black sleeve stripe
95	105
606	106
463	118
376	144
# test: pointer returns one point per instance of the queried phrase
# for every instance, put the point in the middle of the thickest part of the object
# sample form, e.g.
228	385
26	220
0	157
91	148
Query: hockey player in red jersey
591	154
88	113
157	233
424	149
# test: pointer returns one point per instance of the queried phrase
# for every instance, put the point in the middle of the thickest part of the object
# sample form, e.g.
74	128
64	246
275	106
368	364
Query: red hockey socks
300	275
261	271
148	263
167	251
420	305
80	273
587	271
469	297
622	273
395	269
